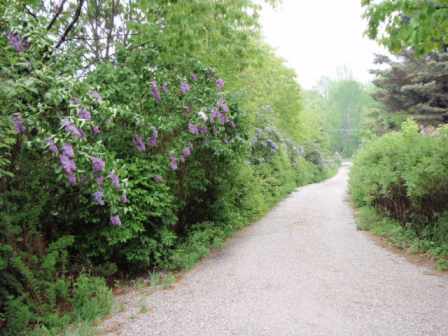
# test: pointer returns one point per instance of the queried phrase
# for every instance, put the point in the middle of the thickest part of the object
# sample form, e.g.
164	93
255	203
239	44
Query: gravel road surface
302	270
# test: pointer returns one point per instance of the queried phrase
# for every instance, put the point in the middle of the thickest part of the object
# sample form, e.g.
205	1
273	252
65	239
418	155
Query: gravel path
302	270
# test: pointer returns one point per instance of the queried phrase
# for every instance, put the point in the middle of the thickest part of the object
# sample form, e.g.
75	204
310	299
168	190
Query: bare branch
71	24
56	15
30	12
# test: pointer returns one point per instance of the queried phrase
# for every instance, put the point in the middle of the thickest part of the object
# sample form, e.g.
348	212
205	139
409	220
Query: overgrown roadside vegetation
406	239
133	140
400	184
399	179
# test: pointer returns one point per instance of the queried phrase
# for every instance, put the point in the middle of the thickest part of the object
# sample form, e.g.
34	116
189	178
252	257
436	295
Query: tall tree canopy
400	24
343	106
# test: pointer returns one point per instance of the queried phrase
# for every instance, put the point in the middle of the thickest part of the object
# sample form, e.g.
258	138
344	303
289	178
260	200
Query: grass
369	219
81	329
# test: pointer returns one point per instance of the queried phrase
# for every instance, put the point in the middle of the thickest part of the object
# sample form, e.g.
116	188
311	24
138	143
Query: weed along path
302	270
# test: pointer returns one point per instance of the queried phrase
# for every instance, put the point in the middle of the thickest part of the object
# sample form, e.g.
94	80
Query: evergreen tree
414	86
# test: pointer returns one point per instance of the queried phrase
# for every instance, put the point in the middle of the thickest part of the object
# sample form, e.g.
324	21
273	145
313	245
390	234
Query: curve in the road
302	270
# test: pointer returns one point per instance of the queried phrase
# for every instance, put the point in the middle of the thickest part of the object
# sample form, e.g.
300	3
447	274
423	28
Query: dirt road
302	270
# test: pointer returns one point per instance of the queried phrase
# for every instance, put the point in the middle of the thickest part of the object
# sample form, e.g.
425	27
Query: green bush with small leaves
404	175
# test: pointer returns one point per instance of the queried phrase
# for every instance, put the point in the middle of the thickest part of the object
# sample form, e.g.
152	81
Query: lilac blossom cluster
272	145
155	91
70	127
153	139
218	115
18	43
140	144
84	114
68	163
220	84
185	87
18	123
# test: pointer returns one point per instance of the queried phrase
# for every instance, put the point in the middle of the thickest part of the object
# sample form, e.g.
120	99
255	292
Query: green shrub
405	176
91	298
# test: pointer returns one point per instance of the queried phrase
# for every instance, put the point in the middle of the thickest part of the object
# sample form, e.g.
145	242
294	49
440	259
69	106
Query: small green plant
168	280
155	279
143	308
91	299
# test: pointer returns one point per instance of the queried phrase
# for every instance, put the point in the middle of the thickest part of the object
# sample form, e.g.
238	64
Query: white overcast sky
316	37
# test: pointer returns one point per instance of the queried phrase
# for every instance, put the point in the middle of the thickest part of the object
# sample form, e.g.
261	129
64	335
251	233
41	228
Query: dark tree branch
30	12
56	15
110	27
71	24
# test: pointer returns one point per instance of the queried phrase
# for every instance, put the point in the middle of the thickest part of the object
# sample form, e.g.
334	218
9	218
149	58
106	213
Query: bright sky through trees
318	36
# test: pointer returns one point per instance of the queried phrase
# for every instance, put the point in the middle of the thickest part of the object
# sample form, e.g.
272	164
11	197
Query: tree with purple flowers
123	135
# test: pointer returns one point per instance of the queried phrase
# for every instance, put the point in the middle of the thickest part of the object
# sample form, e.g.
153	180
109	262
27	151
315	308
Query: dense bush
405	176
112	165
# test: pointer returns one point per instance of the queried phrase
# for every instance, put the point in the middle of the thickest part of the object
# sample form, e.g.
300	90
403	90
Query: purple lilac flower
124	199
139	143
173	162
272	145
214	114
68	164
18	123
186	152
220	84
96	130
165	88
192	128
194	77
184	87
158	178
18	43
67	150
223	105
96	95
115	220
153	139
84	114
98	164
203	130
71	179
115	180
100	181
71	128
98	197
155	91
52	146
223	118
